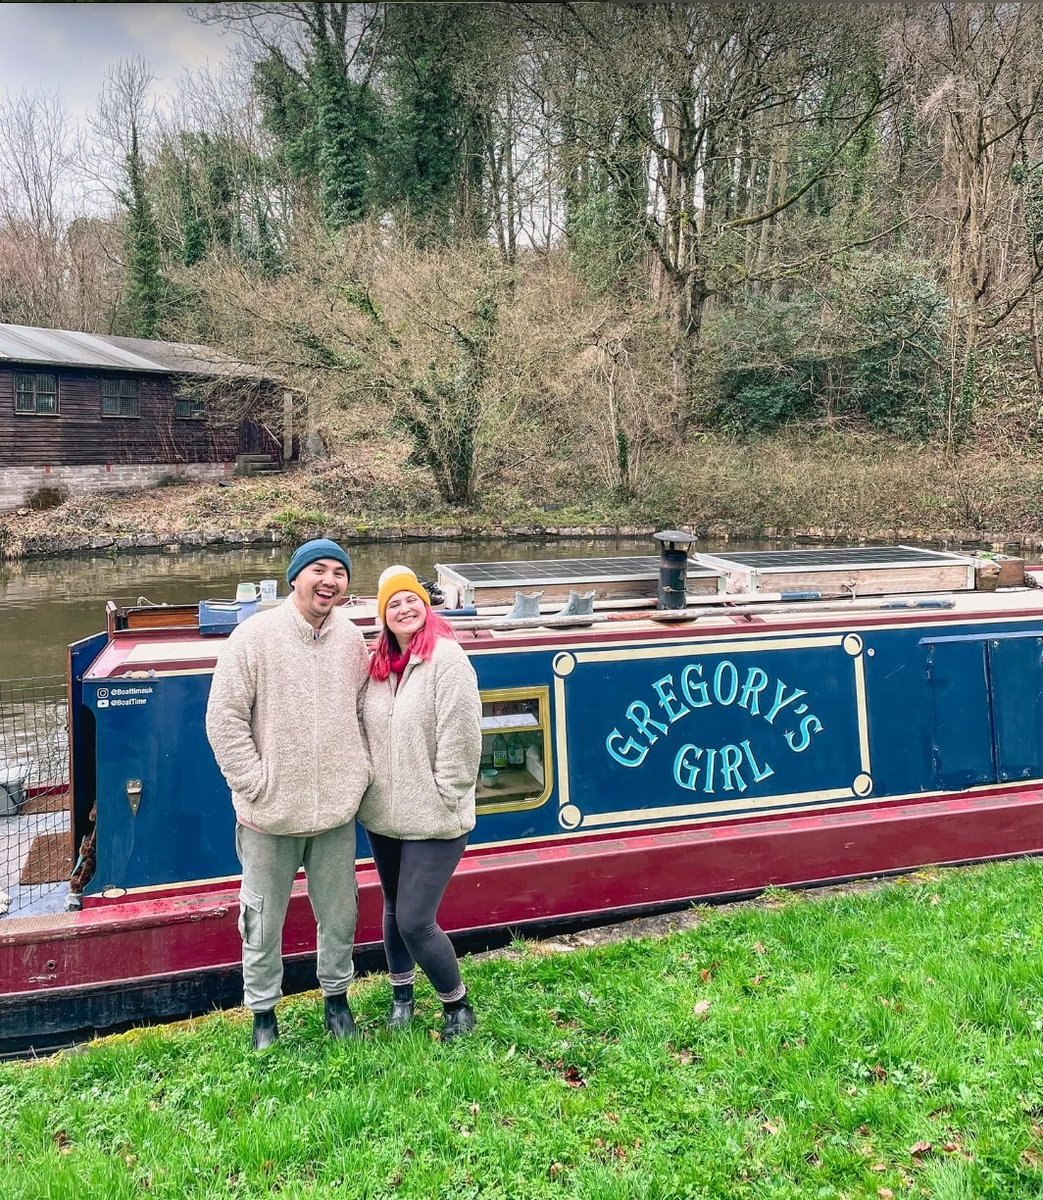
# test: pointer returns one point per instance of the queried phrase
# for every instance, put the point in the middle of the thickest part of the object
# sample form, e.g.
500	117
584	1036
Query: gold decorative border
571	817
541	694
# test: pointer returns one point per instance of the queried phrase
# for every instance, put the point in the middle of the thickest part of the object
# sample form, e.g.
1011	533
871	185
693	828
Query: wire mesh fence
35	833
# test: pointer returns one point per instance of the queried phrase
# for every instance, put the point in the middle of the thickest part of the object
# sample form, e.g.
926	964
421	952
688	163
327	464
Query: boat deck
730	609
141	654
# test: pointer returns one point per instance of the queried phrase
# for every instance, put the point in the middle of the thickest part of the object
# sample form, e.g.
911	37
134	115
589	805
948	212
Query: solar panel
531	572
840	556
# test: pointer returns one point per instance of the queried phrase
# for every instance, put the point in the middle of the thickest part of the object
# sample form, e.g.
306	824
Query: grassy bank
828	488
870	1045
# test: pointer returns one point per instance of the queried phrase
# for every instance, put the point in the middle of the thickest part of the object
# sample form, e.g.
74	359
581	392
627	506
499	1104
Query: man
282	721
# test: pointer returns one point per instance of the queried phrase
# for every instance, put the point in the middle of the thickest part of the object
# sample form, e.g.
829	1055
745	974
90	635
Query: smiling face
318	588
405	616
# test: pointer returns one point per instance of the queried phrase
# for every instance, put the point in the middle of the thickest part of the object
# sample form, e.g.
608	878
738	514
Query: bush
867	348
301	524
760	400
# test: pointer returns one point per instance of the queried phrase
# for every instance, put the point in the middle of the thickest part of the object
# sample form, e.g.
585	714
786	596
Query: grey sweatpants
270	864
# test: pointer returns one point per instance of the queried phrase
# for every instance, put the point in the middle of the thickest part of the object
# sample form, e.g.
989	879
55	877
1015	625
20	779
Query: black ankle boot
459	1019
266	1029
401	1006
339	1020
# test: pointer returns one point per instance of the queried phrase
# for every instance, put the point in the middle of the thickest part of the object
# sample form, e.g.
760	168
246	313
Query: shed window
119	397
36	392
190	407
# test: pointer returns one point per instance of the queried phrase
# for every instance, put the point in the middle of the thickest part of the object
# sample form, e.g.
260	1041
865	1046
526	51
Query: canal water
47	603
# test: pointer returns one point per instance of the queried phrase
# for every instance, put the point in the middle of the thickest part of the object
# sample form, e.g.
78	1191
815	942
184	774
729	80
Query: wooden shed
82	411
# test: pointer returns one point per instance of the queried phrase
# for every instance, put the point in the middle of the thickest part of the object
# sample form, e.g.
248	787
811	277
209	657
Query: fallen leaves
686	1058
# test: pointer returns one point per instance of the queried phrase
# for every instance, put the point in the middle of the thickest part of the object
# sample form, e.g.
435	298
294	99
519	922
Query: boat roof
136	656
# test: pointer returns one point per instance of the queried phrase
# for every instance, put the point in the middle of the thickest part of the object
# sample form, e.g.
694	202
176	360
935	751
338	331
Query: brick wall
17	482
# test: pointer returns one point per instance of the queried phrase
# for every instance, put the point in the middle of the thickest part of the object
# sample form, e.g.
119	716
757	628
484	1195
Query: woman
422	717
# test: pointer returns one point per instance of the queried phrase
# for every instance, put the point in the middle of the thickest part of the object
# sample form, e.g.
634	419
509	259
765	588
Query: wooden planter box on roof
853	570
999	571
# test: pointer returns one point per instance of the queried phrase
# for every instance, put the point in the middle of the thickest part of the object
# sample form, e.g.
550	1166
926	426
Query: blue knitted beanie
311	552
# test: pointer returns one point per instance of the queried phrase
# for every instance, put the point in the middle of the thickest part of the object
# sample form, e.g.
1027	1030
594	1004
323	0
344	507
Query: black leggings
414	876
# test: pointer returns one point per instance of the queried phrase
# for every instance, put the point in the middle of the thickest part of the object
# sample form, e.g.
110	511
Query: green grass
869	1044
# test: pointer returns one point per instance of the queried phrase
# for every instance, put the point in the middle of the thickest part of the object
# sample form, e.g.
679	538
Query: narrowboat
657	729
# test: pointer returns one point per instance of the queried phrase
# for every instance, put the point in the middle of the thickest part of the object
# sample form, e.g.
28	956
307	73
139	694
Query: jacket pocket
451	805
251	918
262	786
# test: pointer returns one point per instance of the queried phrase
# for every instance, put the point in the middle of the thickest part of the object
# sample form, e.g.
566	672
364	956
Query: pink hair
422	645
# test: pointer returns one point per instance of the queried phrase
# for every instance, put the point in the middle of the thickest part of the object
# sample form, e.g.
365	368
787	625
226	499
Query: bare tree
292	30
973	77
38	158
122	123
708	125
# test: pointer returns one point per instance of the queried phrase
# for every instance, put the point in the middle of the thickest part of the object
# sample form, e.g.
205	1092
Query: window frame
541	694
120	396
35	393
196	404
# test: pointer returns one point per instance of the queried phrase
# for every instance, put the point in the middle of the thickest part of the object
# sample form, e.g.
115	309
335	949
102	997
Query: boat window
516	766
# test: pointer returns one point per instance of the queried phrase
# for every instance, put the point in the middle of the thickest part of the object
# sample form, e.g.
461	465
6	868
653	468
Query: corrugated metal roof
68	348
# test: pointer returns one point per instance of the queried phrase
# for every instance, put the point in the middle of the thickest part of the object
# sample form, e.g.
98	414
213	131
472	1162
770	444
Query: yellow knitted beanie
398	579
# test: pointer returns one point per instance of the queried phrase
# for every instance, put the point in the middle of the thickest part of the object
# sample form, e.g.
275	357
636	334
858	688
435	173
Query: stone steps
257	464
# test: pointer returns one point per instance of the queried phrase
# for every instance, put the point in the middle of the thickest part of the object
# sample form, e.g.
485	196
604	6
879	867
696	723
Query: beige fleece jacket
425	742
283	721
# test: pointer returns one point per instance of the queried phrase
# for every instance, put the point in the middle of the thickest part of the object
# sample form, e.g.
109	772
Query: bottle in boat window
487	753
515	751
534	759
499	752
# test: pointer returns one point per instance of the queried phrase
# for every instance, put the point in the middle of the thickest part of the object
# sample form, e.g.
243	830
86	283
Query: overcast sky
69	48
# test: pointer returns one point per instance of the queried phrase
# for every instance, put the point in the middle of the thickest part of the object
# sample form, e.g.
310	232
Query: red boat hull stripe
108	945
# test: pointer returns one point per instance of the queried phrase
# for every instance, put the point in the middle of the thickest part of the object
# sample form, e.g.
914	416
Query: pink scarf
398	662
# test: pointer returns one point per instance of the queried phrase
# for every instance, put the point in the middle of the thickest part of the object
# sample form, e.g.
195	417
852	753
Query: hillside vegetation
828	489
751	266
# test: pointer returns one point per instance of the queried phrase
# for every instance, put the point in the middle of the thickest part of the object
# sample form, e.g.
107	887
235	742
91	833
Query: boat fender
460	612
434	591
812	595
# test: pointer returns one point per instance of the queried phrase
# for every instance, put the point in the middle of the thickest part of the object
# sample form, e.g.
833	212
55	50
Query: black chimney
673	567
